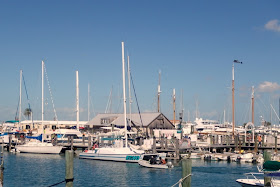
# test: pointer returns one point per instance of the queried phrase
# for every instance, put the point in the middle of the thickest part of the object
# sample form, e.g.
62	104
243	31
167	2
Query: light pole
233	124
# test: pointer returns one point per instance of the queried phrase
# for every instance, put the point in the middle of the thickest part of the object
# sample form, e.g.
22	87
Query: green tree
27	112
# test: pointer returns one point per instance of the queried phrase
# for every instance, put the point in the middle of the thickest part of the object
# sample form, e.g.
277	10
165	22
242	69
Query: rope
65	180
181	180
26	91
136	100
55	115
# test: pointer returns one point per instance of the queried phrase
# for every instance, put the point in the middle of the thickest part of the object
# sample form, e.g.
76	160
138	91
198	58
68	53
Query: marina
139	94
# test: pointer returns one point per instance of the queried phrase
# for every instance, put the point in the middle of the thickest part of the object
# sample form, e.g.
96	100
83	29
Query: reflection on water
44	170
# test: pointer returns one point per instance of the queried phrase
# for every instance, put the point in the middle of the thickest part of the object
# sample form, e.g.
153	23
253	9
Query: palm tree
27	112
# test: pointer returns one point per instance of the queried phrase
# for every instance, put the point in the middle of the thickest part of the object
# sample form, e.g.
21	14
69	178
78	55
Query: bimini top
271	166
12	121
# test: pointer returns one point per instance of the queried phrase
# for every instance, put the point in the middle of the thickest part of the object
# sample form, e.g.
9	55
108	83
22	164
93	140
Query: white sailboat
38	146
116	153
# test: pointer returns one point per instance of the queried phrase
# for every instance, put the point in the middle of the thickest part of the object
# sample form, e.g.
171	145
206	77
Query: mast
88	102
77	99
20	85
233	99
158	108
174	106
129	91
124	97
43	100
253	92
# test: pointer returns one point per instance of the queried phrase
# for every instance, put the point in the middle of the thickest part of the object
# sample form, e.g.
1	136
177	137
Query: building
144	122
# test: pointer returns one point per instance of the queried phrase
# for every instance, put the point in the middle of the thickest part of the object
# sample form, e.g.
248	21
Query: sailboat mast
43	99
233	99
20	85
88	102
77	99
174	106
159	76
124	97
253	92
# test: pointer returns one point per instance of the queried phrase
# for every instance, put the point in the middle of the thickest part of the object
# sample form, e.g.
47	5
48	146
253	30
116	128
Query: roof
53	122
118	119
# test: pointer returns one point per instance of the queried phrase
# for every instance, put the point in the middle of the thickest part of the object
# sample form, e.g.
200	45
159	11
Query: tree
267	124
27	112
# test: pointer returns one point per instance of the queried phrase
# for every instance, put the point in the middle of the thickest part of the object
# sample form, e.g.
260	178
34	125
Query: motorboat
270	169
253	181
145	162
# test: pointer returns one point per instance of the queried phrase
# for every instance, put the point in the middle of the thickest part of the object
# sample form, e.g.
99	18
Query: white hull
147	164
250	182
112	154
40	148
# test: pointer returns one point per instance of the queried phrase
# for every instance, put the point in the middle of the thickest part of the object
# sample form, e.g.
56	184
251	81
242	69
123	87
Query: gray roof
118	119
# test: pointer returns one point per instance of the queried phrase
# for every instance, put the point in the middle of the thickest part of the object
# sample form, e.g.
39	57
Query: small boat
270	169
256	181
145	162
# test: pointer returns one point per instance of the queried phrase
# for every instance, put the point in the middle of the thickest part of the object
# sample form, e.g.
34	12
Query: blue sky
193	43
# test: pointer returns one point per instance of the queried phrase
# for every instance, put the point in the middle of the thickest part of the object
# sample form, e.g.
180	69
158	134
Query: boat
117	152
38	146
145	162
270	169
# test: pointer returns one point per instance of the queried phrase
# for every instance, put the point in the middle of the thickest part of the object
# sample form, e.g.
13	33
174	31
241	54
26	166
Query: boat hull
250	182
112	154
41	148
145	163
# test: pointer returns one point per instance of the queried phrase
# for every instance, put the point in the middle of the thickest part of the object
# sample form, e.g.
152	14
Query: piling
236	142
267	157
256	144
154	145
71	142
2	165
69	169
10	142
89	142
227	139
166	143
275	144
83	139
239	144
186	172
177	148
161	142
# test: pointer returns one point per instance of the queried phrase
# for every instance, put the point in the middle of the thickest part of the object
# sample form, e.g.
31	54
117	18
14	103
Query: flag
237	61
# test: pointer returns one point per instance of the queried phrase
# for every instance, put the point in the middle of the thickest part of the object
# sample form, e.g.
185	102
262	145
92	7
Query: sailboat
118	152
38	146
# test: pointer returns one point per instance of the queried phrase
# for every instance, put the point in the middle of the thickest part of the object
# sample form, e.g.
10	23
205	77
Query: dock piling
186	172
69	171
267	157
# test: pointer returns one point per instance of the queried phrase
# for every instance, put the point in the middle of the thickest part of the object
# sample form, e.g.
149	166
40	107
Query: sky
193	43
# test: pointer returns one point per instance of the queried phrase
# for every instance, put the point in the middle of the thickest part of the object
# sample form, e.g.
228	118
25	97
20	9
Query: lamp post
233	122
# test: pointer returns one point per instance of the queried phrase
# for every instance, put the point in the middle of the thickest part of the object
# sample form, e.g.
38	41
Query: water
44	170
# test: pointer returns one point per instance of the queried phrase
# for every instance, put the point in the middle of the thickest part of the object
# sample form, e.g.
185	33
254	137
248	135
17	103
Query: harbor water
45	170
